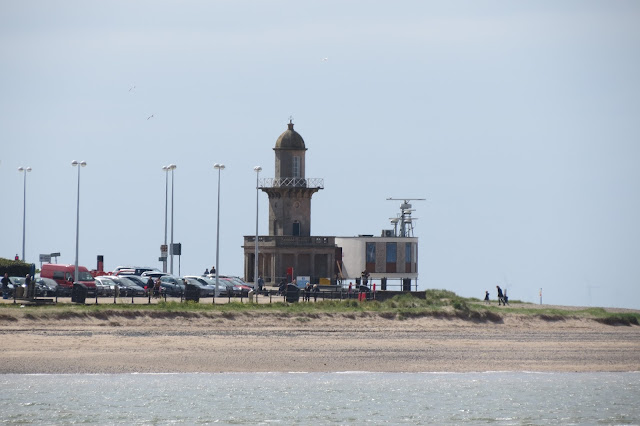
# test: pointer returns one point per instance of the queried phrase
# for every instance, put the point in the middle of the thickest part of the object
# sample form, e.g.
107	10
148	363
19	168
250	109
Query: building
290	251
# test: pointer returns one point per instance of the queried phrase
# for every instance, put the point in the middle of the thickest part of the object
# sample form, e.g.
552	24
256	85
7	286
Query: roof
290	139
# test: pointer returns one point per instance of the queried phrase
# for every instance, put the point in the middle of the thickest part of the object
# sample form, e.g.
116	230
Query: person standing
349	290
316	291
30	287
5	286
260	284
307	292
486	297
156	288
149	286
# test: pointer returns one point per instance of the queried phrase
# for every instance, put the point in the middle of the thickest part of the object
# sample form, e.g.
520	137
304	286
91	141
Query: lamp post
257	169
24	205
166	207
219	167
80	164
171	167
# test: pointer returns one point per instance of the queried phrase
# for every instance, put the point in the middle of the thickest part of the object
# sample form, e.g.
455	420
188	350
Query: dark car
171	285
105	286
225	285
46	287
127	287
209	284
205	290
139	281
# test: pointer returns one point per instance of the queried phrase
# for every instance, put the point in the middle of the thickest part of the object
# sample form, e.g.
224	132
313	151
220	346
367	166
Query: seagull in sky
132	87
325	59
151	116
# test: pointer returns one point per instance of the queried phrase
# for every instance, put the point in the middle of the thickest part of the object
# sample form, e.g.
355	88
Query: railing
289	240
291	182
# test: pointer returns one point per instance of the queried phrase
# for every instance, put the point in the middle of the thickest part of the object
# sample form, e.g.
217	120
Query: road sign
45	258
164	250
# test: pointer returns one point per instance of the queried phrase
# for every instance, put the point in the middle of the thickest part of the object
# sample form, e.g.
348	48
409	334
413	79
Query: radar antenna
406	221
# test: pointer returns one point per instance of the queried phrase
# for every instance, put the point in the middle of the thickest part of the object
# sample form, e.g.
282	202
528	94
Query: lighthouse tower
290	192
290	250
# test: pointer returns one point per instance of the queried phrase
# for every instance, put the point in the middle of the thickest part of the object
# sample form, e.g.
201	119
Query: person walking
500	296
486	298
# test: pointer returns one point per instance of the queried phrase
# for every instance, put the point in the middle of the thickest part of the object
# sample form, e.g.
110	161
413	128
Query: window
407	257
296	228
392	257
371	252
370	261
296	167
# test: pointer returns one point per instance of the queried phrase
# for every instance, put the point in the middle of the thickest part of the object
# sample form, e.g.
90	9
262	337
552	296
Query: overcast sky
519	122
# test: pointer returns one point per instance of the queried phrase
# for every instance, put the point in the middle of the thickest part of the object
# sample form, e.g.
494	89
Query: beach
254	341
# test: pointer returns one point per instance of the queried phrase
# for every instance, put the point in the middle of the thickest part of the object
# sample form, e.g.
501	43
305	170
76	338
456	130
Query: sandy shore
256	341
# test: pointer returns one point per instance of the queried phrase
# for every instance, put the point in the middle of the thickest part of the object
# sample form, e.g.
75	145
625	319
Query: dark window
370	263
407	257
392	257
296	229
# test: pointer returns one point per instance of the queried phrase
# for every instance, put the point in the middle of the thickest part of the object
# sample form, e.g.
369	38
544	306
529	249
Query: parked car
105	286
240	284
46	287
139	281
133	270
171	285
205	290
209	284
153	274
127	287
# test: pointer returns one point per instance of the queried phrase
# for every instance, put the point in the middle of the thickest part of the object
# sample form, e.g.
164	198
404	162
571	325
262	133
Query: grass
441	304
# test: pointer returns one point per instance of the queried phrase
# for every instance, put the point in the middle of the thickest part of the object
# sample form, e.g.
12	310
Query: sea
346	398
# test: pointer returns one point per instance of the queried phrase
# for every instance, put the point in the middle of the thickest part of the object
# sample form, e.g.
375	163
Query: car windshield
169	279
106	281
137	280
128	282
85	276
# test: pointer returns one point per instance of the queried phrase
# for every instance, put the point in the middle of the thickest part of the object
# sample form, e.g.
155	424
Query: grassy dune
438	304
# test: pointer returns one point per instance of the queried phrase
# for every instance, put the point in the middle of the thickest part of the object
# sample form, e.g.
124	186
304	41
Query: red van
63	275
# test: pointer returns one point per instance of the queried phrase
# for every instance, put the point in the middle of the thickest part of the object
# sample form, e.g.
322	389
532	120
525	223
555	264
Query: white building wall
354	256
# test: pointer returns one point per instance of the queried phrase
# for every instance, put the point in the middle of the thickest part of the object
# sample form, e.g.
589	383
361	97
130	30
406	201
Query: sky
517	122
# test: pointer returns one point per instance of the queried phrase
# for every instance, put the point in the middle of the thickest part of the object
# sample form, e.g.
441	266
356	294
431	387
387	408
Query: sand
257	341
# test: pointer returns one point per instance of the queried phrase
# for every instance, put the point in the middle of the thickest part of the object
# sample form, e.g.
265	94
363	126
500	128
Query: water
323	398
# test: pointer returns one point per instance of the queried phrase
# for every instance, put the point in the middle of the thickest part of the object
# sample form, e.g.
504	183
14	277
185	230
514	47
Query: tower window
296	167
296	228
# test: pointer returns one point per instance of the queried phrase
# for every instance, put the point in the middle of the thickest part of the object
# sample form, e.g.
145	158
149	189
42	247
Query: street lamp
80	164
171	167
166	208
24	205
257	169
219	167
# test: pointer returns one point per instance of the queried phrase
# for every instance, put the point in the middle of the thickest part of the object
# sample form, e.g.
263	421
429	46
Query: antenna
406	221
